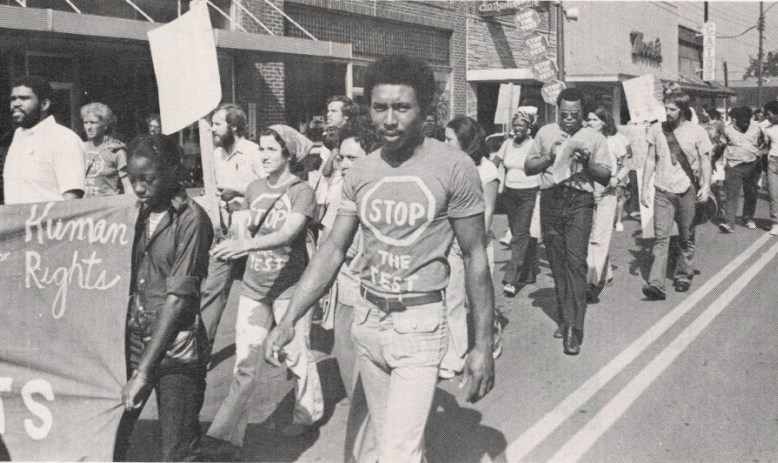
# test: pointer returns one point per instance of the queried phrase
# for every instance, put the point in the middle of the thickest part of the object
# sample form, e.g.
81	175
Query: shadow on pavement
454	433
545	298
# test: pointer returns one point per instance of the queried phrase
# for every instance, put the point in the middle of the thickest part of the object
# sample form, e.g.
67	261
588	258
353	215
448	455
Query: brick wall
496	43
260	79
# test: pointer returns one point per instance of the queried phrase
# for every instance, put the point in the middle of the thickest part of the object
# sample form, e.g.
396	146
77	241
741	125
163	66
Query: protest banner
644	98
64	277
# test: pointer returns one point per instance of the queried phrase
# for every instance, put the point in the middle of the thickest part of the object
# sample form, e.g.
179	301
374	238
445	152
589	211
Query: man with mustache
567	206
46	161
237	164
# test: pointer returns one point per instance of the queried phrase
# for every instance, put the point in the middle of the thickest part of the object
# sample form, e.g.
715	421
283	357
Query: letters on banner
64	277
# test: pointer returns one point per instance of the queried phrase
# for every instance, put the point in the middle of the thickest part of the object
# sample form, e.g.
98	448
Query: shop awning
63	22
618	72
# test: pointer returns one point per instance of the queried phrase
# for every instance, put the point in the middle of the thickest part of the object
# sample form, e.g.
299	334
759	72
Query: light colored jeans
251	328
600	240
772	186
398	358
669	208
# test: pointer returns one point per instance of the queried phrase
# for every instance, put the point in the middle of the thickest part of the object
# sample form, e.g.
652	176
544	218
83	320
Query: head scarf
296	143
523	116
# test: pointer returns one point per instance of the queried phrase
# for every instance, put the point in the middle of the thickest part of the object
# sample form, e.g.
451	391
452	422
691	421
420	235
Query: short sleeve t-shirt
513	159
404	212
695	144
741	146
771	138
594	141
272	273
487	171
106	165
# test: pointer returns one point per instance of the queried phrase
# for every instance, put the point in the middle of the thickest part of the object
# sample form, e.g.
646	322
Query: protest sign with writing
545	70
551	90
184	56
644	98
537	46
64	277
527	20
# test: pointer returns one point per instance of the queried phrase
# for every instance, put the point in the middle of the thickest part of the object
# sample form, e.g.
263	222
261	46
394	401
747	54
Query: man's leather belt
399	303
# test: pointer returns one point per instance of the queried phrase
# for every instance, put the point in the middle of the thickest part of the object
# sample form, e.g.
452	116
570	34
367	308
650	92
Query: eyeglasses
565	114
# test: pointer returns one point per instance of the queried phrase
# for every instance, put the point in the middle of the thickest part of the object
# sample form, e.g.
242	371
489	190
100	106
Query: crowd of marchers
384	232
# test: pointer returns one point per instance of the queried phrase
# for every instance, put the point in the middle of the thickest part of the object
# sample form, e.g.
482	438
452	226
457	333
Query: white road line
576	447
533	436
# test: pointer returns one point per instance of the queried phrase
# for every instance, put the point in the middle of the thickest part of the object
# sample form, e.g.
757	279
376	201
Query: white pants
251	329
600	240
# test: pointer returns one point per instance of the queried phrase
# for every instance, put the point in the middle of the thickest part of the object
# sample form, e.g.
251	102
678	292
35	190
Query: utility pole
560	40
706	11
726	85
760	26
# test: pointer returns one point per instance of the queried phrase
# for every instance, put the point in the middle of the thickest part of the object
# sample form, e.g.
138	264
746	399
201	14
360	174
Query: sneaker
509	290
750	224
619	227
296	430
726	228
446	373
506	239
497	332
774	229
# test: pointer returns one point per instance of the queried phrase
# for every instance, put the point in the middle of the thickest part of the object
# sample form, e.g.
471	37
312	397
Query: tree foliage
769	66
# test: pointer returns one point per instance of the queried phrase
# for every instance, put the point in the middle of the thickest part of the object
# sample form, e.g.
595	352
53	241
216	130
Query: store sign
551	90
545	70
537	46
709	51
527	20
648	50
504	8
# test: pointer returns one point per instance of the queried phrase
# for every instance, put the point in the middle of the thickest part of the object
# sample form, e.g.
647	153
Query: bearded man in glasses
569	158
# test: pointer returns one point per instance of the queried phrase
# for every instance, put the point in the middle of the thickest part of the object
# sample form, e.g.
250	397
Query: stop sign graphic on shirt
398	209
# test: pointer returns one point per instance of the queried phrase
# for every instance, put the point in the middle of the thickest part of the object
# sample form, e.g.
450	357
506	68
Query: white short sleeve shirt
43	163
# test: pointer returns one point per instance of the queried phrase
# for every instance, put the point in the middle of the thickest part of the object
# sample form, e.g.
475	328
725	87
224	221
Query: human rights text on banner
64	277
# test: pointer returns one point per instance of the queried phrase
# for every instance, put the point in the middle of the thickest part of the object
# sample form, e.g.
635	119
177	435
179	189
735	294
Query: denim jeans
600	240
772	185
566	224
251	328
179	399
398	358
742	176
669	208
519	205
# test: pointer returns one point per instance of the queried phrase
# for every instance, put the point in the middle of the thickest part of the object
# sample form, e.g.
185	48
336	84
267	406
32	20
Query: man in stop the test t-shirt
411	198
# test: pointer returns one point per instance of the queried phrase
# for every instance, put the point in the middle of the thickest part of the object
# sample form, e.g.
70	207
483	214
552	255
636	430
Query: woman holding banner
281	206
167	347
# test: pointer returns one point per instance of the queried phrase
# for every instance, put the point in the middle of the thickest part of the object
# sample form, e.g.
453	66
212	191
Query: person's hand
702	195
614	182
229	249
645	197
134	389
228	195
582	155
553	151
479	372
279	337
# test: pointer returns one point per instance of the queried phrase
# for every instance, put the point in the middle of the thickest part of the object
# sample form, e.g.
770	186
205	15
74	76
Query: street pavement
691	378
